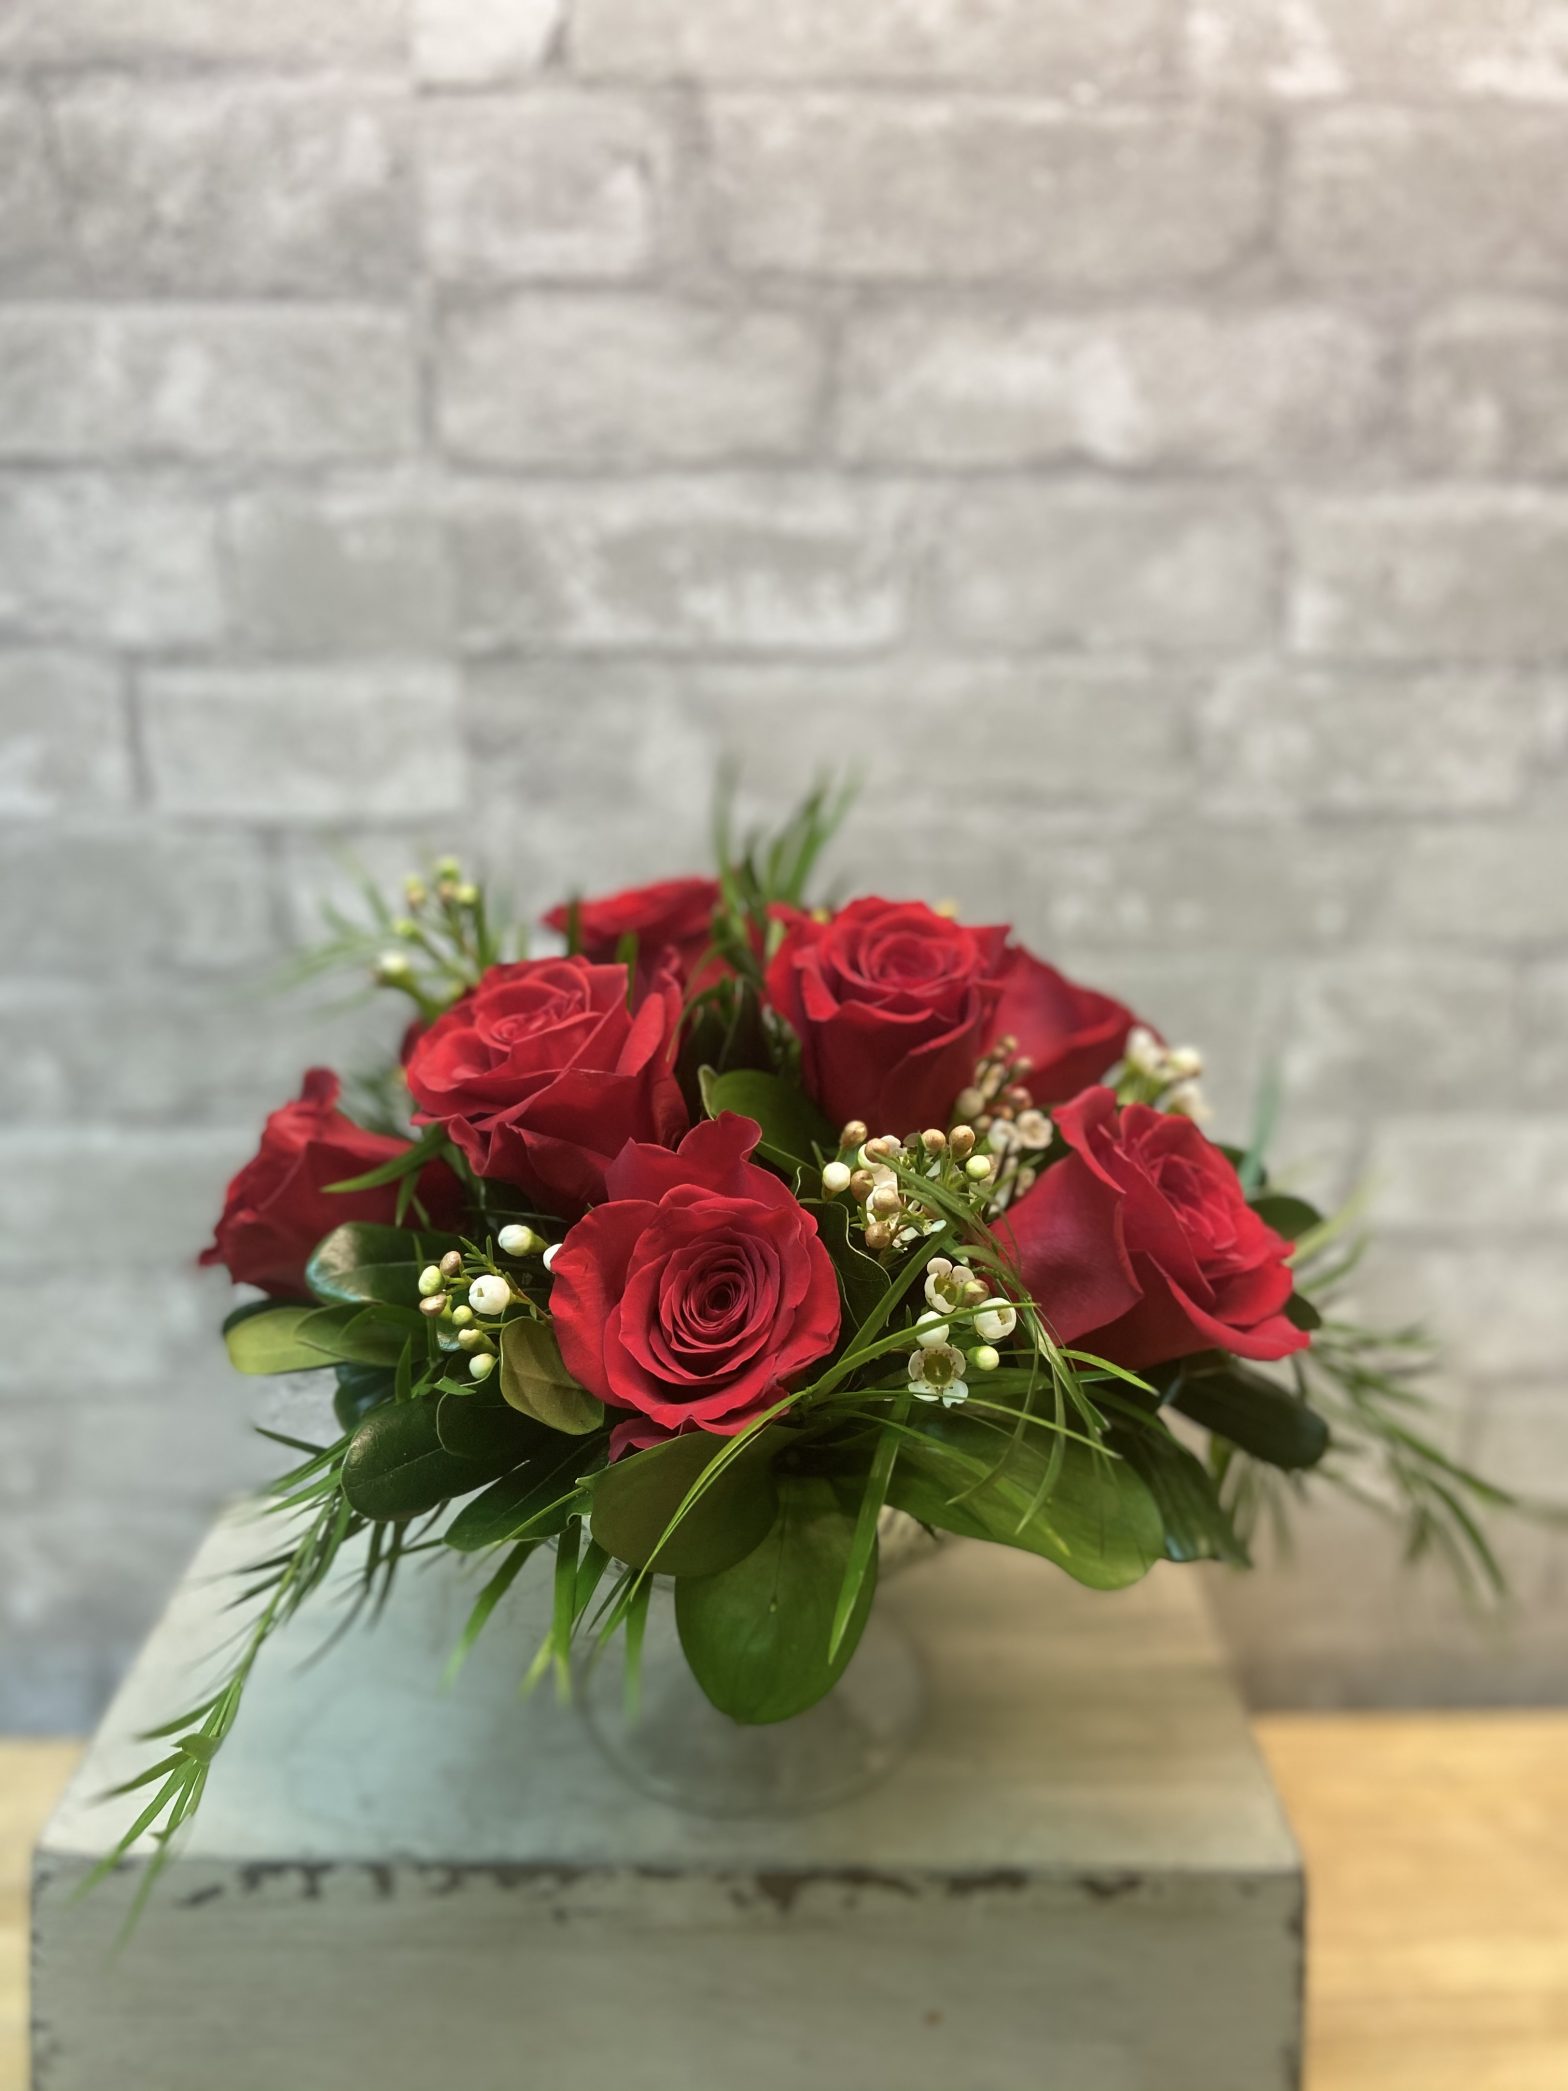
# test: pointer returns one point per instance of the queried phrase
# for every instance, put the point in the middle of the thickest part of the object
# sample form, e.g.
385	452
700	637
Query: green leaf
1197	1526
793	1129
540	1496
635	1499
370	1335
396	1466
1097	1520
265	1338
360	1389
475	1427
862	1280
536	1383
1253	1413
362	1261
1289	1216
757	1633
1300	1311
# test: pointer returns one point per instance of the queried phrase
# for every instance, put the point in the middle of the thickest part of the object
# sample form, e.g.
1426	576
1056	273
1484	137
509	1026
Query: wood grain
1437	1848
31	1777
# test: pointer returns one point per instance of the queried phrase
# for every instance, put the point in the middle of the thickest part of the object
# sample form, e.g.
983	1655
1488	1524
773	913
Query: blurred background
1134	433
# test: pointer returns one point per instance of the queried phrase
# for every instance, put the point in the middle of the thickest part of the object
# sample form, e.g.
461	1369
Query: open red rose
1141	1246
893	1005
1070	1033
671	914
699	1291
280	1205
542	1073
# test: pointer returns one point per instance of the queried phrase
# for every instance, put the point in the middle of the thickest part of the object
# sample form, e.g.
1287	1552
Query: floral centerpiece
691	1249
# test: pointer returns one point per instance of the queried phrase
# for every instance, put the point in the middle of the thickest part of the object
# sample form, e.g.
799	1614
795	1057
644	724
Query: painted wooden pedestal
1080	1880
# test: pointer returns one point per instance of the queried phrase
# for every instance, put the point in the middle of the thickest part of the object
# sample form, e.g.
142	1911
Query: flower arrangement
692	1248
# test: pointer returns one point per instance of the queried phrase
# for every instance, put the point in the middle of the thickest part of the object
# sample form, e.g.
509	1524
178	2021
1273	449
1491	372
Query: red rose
672	914
1141	1246
1071	1034
279	1206
893	1005
699	1291
542	1073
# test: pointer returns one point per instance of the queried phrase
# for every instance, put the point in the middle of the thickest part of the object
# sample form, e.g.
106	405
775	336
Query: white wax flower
995	1320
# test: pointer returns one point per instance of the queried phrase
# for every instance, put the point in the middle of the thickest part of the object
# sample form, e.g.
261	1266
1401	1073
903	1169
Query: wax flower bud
451	1263
429	1281
463	1316
854	1134
978	1167
489	1295
836	1177
550	1254
984	1358
515	1240
393	968
481	1365
931	1328
433	1306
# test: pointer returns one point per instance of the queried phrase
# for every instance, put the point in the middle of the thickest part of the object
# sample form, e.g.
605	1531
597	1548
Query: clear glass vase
678	1748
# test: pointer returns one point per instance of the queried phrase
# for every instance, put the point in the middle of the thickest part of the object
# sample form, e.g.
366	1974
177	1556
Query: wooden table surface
1437	1851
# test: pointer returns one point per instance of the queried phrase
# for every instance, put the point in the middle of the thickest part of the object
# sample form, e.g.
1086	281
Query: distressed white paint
1080	1878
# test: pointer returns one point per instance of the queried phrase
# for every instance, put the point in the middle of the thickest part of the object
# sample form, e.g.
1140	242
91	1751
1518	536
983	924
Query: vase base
678	1748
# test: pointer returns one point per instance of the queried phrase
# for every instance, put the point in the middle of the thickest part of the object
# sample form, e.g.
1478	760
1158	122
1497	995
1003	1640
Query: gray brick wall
1138	431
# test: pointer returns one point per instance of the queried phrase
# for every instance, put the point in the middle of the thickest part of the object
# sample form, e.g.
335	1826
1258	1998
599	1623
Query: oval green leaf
1096	1519
793	1129
534	1502
757	1633
475	1426
362	1261
1250	1411
536	1383
397	1467
635	1500
264	1338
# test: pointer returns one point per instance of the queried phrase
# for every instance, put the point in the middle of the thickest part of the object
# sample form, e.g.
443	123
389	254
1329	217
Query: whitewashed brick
302	744
1090	566
1297	390
1399	1031
1485	883
82	1051
1276	737
1544	1014
890	187
346	571
64	739
1430	575
551	184
1489	392
32	206
284	33
1519	1439
273	386
83	557
1495	1306
467	42
207	188
110	903
1411	48
799	565
1199	888
1473	1172
624	382
171	1180
1428	199
1078	52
